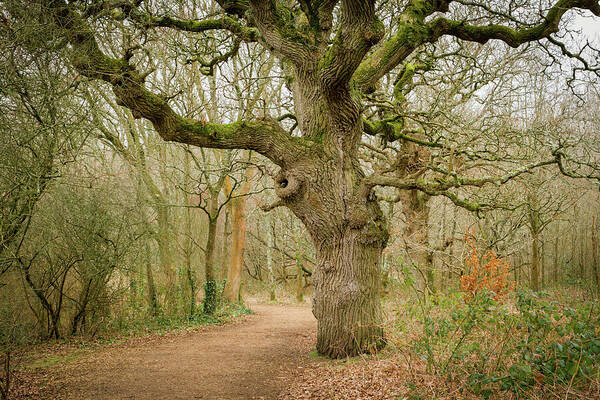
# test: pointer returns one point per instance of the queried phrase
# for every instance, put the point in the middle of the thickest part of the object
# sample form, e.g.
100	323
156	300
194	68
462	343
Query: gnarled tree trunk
349	234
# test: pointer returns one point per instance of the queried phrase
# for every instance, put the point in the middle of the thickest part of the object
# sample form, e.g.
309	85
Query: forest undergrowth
530	346
486	340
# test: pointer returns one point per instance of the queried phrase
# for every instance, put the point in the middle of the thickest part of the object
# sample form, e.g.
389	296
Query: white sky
590	26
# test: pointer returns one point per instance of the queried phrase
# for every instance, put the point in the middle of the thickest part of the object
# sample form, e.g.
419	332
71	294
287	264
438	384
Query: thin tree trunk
225	250
453	249
166	256
299	284
210	286
189	245
556	260
535	267
238	239
152	298
582	255
542	257
271	277
430	274
238	245
595	255
191	284
443	247
82	307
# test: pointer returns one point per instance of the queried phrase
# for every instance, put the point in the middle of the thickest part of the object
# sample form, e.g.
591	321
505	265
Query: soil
257	358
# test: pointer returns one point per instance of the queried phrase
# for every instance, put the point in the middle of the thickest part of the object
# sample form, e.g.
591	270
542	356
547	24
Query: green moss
420	7
315	354
220	131
50	361
403	81
329	55
378	28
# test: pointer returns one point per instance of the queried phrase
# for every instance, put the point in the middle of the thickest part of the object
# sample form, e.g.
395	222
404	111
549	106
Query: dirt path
255	359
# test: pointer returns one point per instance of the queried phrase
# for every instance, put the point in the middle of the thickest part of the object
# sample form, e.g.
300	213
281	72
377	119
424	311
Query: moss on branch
413	31
265	136
512	37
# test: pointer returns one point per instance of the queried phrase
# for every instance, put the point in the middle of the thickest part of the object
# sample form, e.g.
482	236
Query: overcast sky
590	25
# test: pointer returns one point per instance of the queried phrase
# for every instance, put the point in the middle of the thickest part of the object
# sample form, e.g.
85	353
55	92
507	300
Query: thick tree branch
279	34
359	31
512	37
264	136
245	33
412	32
454	181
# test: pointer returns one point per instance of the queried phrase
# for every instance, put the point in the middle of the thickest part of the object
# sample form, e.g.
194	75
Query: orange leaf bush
488	272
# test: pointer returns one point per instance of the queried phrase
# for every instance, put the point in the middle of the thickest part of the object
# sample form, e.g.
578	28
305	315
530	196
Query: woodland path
253	359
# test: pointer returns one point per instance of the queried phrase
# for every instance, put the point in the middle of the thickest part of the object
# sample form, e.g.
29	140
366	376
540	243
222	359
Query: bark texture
349	234
238	245
346	296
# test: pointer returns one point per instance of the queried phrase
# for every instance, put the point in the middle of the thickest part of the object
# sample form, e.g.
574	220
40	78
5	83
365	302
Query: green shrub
499	347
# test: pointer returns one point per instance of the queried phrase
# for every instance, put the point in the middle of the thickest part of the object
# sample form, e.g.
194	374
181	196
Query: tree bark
542	257
270	274
582	241
166	256
238	245
346	303
188	244
152	298
556	260
299	284
595	255
210	286
535	266
226	245
349	233
238	239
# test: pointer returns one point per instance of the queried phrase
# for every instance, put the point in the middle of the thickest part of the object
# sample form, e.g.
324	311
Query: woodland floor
256	358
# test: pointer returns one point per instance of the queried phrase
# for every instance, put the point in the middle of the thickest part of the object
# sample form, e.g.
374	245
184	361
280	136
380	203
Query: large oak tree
334	52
